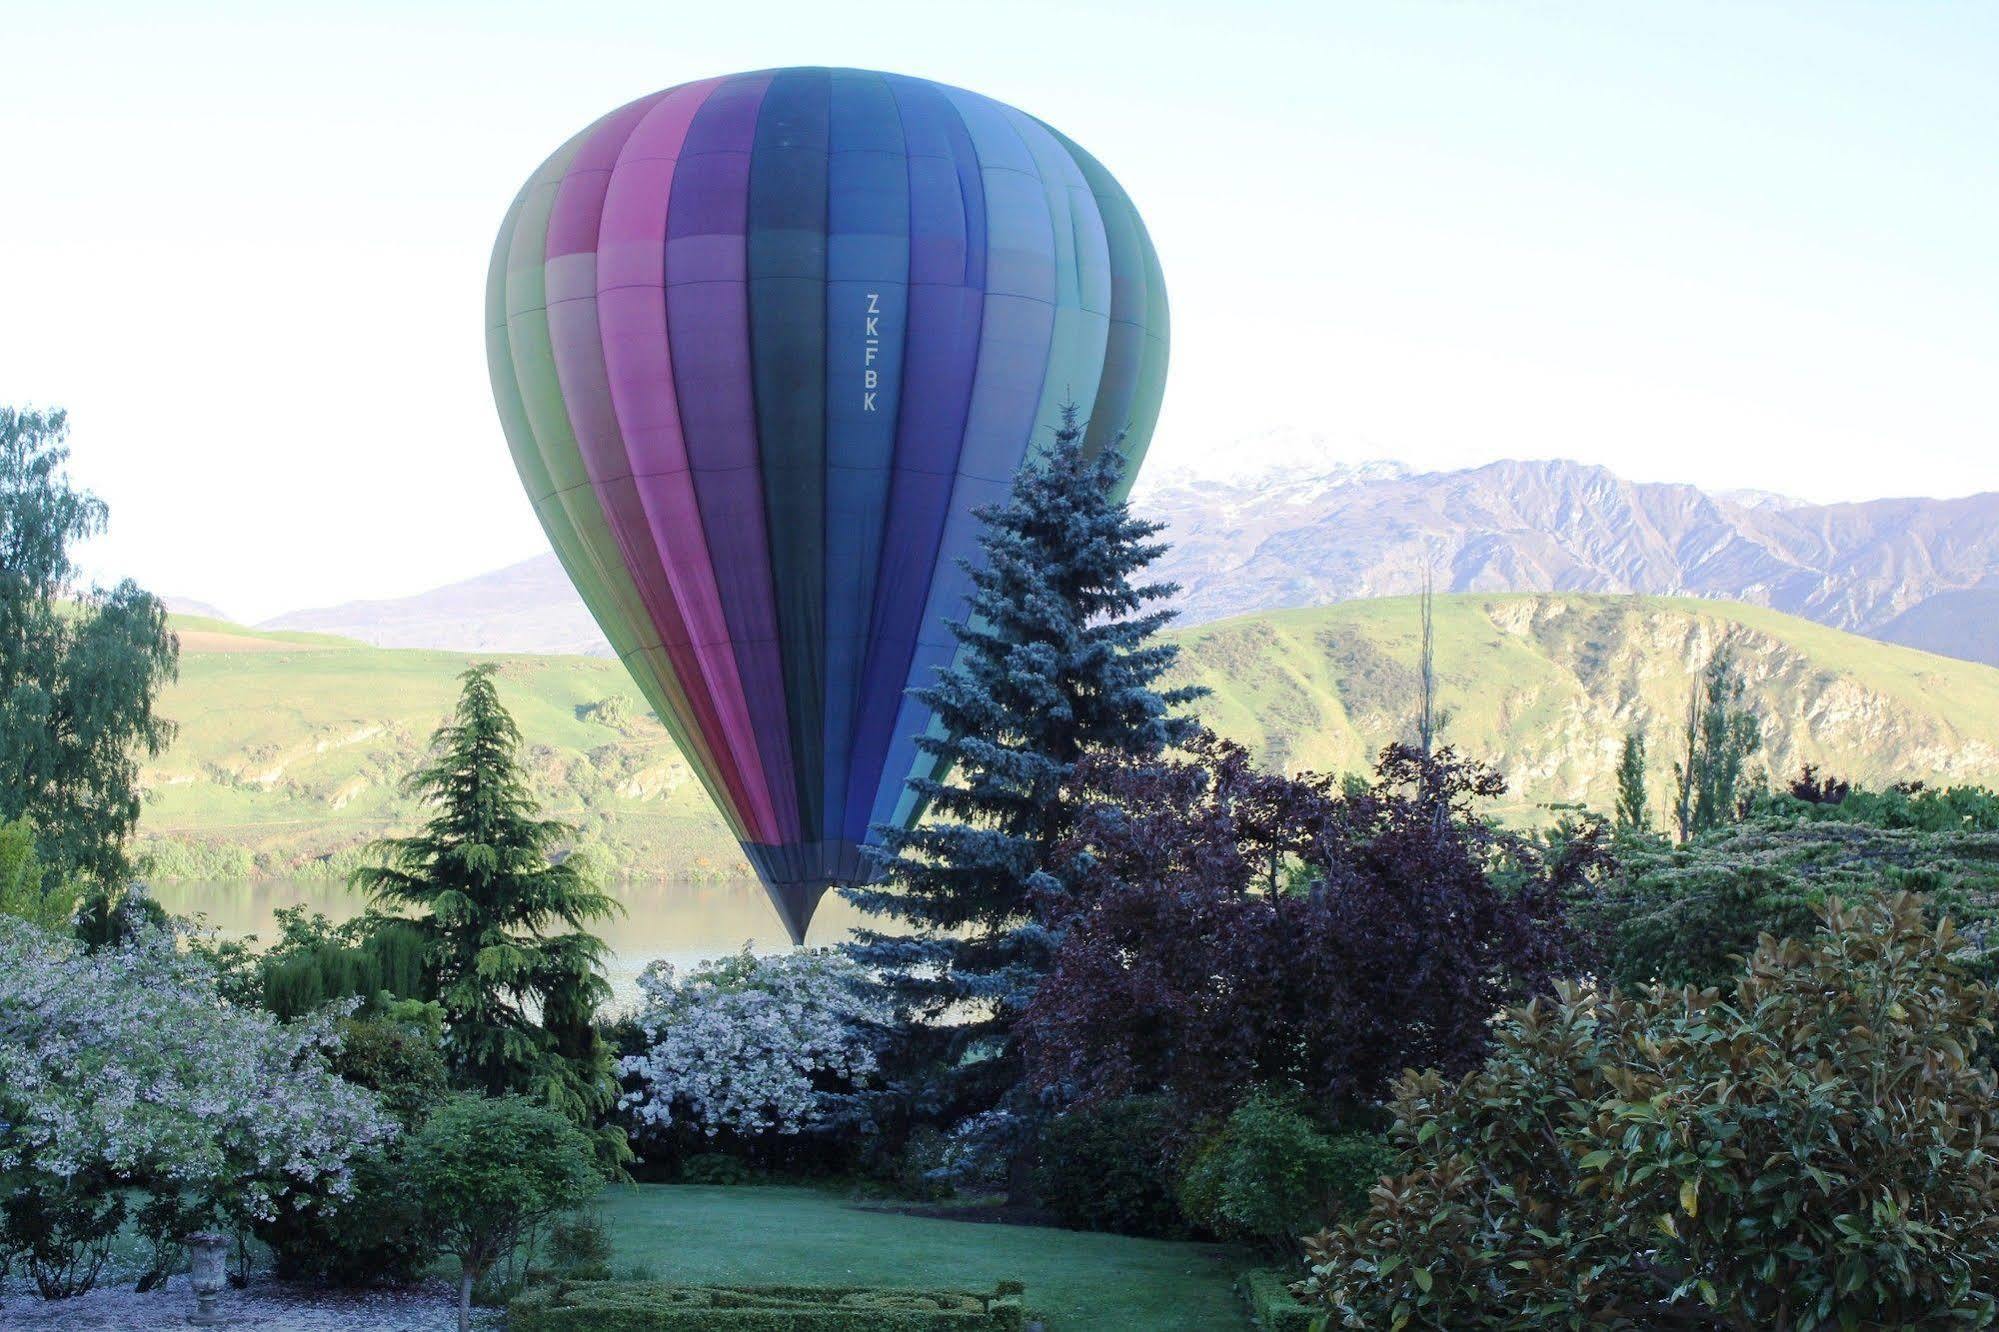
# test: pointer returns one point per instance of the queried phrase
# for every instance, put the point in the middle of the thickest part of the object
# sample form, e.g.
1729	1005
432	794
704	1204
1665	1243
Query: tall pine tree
1058	658
509	953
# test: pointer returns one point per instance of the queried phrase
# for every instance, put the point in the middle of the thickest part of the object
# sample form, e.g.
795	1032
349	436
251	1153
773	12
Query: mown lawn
1074	1280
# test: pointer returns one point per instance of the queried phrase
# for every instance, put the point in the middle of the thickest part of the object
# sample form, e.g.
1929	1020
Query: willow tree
80	666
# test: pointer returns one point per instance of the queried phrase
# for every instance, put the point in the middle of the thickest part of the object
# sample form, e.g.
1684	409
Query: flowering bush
124	1064
753	1045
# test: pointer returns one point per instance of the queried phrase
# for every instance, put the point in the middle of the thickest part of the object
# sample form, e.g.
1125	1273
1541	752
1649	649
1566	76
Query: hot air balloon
761	344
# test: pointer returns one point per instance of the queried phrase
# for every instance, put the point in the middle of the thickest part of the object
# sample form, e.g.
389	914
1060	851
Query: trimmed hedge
1271	1302
657	1306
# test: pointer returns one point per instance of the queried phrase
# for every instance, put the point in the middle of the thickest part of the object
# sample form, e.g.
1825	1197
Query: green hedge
656	1306
1271	1301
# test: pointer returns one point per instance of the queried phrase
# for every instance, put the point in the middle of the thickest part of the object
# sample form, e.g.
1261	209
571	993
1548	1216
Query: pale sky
1737	243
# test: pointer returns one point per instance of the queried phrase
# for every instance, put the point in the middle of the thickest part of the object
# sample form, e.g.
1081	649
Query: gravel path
116	1308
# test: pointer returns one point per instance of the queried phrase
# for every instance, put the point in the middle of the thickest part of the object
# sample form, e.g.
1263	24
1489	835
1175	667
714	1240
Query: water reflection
681	922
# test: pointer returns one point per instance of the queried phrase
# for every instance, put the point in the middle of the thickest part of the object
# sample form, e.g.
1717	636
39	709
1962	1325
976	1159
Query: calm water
681	922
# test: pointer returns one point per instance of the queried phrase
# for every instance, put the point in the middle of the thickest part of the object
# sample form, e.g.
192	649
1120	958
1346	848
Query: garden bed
657	1306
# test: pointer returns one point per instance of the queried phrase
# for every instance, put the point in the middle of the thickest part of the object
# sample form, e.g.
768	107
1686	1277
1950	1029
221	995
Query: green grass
291	745
1074	1280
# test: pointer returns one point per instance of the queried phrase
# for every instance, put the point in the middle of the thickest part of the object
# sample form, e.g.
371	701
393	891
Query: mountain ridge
1300	535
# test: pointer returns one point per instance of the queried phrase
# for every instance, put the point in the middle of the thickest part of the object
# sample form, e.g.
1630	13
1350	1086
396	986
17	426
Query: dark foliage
1233	928
1813	789
60	1228
1110	1167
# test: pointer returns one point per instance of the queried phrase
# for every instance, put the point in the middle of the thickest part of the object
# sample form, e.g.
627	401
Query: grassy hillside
291	744
1545	687
291	747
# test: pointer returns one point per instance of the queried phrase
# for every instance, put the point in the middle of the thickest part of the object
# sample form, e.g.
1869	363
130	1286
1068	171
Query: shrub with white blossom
126	1065
753	1044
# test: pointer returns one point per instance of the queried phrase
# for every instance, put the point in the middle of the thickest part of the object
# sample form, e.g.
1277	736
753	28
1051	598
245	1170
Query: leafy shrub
27	888
1693	924
1109	1167
714	1168
1687	914
493	1172
752	1045
1813	1149
1269	1174
1237	928
620	1306
377	1235
397	1053
60	1228
579	1249
1271	1303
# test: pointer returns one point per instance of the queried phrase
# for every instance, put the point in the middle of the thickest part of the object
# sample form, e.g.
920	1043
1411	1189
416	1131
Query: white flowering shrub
753	1044
127	1063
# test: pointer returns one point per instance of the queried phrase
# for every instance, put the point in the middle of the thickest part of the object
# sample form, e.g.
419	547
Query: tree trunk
464	1299
1020	1191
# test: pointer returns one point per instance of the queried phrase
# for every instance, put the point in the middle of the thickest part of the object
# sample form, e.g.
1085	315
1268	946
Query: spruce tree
1634	811
1057	659
505	920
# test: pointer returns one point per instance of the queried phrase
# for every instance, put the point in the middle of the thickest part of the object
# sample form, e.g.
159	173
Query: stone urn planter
208	1273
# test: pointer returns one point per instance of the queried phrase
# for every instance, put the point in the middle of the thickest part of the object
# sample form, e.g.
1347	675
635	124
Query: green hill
291	745
1545	687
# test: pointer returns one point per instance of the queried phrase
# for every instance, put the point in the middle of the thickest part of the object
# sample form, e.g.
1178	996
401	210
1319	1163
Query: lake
681	922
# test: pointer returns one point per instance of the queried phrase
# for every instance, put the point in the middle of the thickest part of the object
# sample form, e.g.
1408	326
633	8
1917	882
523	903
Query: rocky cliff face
1546	687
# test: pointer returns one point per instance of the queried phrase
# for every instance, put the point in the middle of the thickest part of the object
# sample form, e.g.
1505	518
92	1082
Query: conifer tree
1634	812
509	953
1057	659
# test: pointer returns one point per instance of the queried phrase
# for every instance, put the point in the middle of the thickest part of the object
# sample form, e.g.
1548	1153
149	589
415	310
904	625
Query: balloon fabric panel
761	347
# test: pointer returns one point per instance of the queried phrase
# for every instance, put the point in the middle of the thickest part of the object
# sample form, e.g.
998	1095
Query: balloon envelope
761	345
